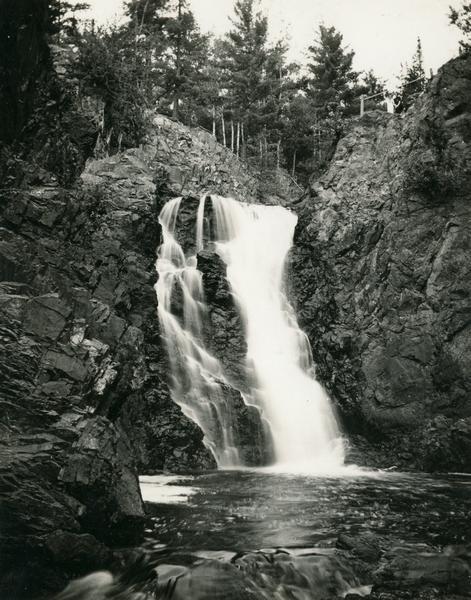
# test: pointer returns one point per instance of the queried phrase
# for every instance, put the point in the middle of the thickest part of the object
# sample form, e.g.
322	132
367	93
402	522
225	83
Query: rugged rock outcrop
381	280
84	391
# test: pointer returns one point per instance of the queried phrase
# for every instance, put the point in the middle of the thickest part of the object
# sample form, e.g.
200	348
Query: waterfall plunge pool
255	534
263	533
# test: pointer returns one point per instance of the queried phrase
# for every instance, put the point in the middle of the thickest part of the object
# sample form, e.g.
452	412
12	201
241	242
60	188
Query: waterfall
253	241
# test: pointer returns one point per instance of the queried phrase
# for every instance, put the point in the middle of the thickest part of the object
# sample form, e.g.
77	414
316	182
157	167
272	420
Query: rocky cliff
380	276
84	391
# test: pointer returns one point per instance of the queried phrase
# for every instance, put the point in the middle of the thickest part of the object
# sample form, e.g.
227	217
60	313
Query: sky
383	33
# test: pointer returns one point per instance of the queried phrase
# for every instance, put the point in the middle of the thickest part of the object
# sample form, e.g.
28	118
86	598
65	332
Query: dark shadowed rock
380	277
101	474
226	337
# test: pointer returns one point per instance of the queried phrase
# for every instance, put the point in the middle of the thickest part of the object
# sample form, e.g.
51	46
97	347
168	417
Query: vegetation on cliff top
241	87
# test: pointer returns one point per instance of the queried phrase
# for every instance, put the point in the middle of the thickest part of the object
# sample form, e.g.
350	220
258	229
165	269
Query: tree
146	15
298	134
62	16
332	78
462	19
412	81
107	67
372	88
24	58
187	55
254	75
245	58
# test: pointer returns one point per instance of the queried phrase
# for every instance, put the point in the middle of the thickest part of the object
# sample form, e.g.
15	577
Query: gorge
378	279
253	242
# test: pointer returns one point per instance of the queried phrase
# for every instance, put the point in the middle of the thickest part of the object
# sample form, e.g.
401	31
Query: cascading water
253	241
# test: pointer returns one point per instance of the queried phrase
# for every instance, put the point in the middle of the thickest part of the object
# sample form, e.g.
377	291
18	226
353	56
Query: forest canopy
241	87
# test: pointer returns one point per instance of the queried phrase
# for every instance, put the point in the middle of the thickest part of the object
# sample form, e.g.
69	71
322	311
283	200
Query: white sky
383	33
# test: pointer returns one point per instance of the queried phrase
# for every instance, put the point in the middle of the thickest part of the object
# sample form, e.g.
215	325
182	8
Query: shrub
432	170
429	175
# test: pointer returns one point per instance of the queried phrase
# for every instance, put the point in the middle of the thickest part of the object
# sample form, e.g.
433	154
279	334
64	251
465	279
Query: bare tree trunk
143	16
242	139
232	135
238	137
278	153
293	170
223	128
214	120
176	97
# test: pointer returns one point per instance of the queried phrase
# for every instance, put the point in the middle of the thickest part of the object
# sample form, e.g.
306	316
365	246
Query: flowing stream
253	241
253	535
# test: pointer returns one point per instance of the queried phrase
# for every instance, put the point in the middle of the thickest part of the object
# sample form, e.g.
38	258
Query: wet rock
318	575
226	336
100	472
82	551
409	569
46	316
366	546
379	277
209	579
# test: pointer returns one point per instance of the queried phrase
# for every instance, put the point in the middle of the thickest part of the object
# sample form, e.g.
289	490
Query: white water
253	241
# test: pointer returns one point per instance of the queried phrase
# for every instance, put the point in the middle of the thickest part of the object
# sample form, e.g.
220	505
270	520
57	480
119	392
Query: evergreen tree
147	15
254	75
462	19
63	16
187	52
413	80
298	135
169	43
372	88
109	67
245	58
332	78
24	59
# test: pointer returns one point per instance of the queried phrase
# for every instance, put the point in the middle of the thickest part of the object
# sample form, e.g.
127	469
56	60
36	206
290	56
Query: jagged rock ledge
84	387
381	279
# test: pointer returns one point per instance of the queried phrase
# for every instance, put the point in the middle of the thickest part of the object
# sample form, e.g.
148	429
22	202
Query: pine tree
332	78
413	81
24	58
254	77
373	88
245	58
62	16
298	134
188	52
147	15
462	19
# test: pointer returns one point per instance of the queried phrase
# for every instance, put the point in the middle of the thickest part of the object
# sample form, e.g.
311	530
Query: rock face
84	391
195	163
380	276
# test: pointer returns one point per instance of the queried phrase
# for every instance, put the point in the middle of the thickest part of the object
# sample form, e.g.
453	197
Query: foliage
462	19
240	87
187	55
334	92
373	88
298	136
432	170
331	83
109	67
412	80
24	58
63	17
39	125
